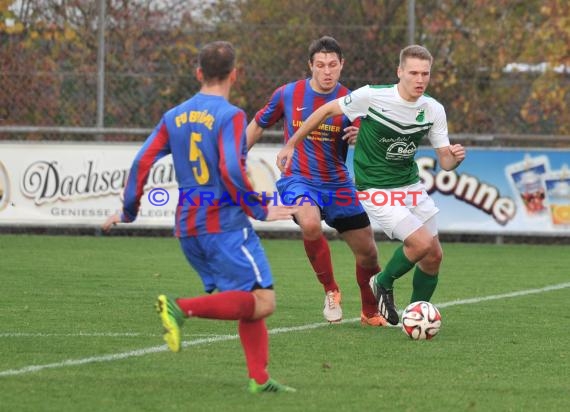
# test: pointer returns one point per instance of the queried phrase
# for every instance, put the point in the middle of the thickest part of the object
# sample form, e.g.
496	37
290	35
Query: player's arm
312	122
266	117
110	222
154	148
351	132
450	157
253	133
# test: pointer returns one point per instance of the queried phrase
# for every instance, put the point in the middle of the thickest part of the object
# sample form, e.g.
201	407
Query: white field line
223	338
76	335
87	335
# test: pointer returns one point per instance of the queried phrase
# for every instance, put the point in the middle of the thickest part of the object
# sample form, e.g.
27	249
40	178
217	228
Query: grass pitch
78	332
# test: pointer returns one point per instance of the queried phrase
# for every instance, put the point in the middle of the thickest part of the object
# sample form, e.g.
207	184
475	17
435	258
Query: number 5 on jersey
201	172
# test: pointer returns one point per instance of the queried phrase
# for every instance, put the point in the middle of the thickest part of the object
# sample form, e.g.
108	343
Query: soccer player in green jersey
395	118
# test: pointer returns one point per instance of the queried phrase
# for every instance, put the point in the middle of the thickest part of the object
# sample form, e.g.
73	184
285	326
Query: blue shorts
229	261
338	204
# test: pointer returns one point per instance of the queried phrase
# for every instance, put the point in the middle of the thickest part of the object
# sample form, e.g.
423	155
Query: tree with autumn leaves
502	67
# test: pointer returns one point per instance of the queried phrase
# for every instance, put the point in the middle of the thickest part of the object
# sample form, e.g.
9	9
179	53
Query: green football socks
424	285
396	267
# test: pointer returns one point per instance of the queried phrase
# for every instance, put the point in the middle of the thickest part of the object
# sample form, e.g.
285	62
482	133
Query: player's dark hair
325	44
217	60
415	51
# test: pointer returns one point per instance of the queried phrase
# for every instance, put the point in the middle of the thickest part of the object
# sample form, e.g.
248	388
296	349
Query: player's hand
110	222
458	152
278	212
284	157
350	134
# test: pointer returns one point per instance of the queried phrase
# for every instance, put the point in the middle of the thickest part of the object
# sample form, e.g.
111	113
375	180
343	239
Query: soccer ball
421	320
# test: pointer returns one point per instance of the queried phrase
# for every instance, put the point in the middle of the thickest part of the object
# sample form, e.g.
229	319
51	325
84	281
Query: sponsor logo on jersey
392	139
401	150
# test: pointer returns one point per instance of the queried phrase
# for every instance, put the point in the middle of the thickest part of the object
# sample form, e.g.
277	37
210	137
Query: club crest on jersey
348	99
420	115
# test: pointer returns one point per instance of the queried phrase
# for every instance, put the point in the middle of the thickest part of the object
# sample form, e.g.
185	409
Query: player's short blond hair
415	51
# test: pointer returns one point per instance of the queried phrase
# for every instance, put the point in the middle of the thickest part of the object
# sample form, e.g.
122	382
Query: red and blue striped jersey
206	137
322	155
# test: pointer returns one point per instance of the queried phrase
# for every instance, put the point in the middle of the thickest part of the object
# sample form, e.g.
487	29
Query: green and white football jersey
390	131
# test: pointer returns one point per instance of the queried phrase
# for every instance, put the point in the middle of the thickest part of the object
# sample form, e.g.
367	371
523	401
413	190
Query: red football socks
255	343
231	305
363	275
236	305
319	255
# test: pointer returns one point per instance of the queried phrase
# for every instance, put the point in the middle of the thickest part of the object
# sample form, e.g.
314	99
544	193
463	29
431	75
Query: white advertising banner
495	191
80	184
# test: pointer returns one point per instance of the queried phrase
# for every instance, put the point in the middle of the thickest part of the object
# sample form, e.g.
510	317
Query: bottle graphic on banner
557	184
525	178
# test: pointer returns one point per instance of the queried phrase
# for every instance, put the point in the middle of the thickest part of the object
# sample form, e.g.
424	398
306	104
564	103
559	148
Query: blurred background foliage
502	66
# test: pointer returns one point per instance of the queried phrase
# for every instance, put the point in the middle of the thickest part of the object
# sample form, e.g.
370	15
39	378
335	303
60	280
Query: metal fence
112	68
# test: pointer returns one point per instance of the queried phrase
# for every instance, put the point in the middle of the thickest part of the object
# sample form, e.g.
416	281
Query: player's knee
264	309
436	255
368	257
312	229
372	254
361	242
433	259
422	247
264	303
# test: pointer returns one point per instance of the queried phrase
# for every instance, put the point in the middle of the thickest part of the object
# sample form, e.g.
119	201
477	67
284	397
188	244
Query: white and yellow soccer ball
421	320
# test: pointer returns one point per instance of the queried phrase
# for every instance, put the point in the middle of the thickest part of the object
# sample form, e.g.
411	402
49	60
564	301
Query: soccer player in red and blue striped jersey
318	181
206	137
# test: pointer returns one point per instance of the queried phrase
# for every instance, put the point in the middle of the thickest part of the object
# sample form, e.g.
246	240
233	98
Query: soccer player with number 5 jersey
206	137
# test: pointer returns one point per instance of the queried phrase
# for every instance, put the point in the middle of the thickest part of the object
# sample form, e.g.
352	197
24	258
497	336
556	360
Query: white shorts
401	211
